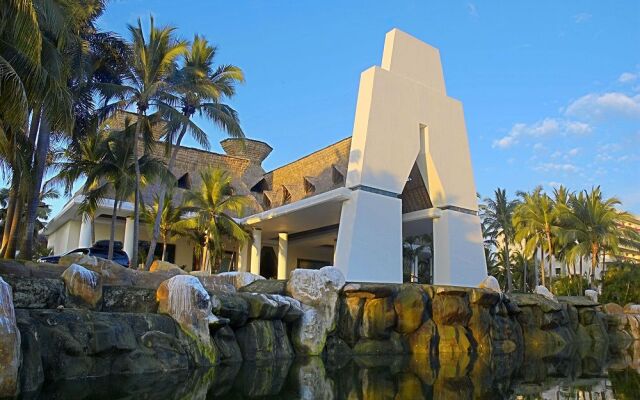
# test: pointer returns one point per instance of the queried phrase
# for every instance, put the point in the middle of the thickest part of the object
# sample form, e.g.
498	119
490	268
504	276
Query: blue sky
551	89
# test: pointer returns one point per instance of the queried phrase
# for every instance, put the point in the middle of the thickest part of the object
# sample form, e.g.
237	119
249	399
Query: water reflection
577	375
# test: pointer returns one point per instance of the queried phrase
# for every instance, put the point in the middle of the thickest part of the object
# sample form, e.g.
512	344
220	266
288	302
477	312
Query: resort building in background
405	171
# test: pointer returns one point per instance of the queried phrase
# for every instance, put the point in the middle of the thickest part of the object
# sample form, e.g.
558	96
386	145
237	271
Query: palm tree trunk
205	253
11	206
548	234
136	199
112	233
164	249
14	233
524	276
594	261
35	124
508	265
163	190
33	197
581	288
542	267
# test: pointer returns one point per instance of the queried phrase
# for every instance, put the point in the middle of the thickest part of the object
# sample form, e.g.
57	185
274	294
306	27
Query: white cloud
600	106
557	167
472	9
627	77
545	127
573	152
582	17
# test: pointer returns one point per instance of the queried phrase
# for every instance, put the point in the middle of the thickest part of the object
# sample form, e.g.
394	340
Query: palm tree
534	220
152	62
213	205
594	223
170	217
196	88
496	217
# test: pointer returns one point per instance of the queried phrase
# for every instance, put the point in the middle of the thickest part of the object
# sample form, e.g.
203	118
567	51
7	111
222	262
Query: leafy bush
621	284
572	285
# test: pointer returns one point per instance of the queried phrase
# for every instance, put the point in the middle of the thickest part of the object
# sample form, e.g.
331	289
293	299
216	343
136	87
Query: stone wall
92	318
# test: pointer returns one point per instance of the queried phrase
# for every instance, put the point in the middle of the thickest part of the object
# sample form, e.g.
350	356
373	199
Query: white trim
70	211
428	213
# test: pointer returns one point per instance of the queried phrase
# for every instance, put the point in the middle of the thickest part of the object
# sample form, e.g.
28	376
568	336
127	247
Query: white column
128	237
85	233
283	246
243	257
256	249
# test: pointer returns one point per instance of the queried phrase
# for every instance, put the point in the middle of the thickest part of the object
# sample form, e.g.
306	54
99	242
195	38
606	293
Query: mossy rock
36	292
350	312
454	339
378	319
425	339
370	290
263	340
233	307
451	308
266	286
410	306
535	300
578	301
409	387
378	347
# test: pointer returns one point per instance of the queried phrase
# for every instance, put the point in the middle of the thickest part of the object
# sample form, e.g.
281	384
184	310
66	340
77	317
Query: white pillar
256	249
85	233
283	246
128	237
243	257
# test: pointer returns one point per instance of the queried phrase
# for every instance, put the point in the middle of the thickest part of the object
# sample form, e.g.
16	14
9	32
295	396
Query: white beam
283	245
256	249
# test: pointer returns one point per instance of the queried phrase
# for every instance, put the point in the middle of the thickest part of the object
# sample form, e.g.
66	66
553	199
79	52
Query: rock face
84	287
490	283
9	343
236	279
184	298
318	291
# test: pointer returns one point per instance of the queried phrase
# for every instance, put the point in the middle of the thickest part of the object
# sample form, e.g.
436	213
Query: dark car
99	249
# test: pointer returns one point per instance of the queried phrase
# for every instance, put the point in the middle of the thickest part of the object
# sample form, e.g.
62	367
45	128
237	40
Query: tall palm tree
534	220
497	214
594	223
213	205
152	62
170	217
196	88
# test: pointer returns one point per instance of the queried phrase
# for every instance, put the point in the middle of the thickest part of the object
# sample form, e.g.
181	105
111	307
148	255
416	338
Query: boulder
613	308
490	283
233	307
350	318
84	287
78	258
294	311
543	291
184	299
165	266
370	290
592	294
266	286
578	301
262	306
213	284
391	346
534	300
237	279
129	299
454	339
318	291
628	309
425	339
9	343
37	292
451	308
409	305
263	340
225	341
378	319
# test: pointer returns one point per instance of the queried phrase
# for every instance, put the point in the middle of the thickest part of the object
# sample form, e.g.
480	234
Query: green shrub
621	284
572	285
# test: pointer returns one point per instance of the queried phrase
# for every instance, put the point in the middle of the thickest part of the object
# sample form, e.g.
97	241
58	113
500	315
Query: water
368	378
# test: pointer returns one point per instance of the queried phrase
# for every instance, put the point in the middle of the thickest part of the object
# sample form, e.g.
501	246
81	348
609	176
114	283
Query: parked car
99	249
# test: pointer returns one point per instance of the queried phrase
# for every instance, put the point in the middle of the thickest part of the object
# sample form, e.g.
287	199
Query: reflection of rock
424	340
9	343
311	379
184	298
264	378
84	287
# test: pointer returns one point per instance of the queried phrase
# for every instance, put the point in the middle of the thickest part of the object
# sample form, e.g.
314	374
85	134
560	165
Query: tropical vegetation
526	236
81	104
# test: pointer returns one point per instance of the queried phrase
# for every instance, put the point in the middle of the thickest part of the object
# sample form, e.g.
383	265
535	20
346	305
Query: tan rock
613	308
78	258
84	286
165	266
378	319
409	305
632	308
424	340
237	279
9	343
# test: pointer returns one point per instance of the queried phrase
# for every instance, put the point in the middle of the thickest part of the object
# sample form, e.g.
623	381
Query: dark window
311	264
260	187
336	176
308	187
184	182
